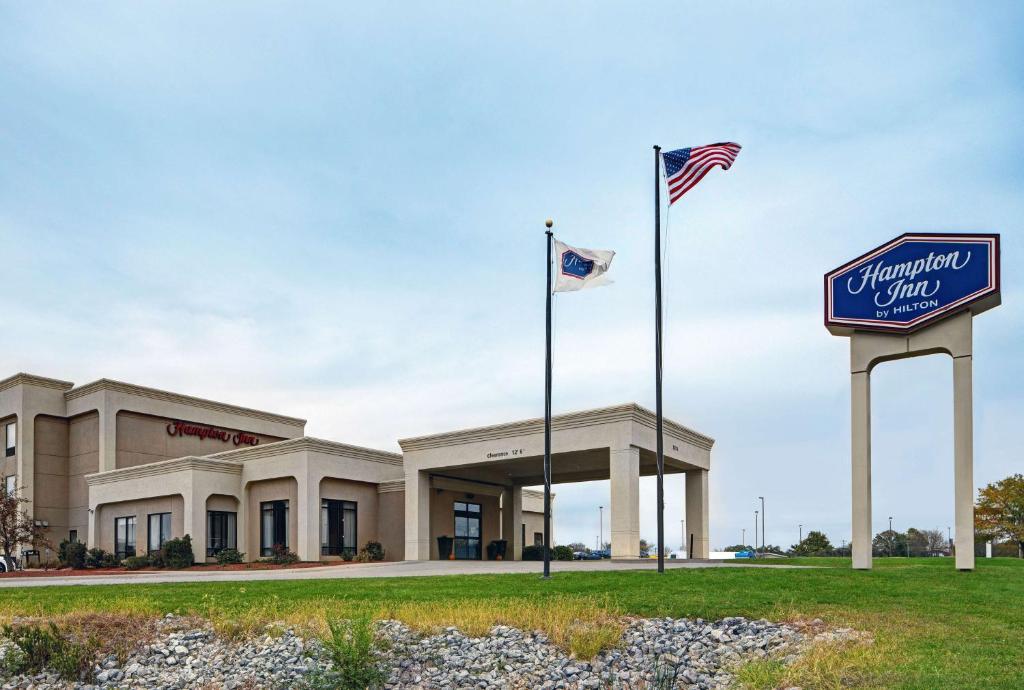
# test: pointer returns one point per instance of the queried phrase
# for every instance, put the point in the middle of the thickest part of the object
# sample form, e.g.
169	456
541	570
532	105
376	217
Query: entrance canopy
616	443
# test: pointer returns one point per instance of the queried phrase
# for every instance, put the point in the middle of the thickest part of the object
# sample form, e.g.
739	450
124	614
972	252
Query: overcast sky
336	212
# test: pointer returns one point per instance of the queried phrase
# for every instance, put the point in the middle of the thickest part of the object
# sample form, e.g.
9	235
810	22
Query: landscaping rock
661	652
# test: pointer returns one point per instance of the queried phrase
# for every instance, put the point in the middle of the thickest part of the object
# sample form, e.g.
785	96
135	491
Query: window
159	531
221	531
11	434
467	531
273	526
73	536
337	527
11	484
538	539
124	537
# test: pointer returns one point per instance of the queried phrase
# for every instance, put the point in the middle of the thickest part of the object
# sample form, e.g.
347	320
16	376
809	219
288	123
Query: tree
737	547
577	546
936	539
645	548
814	544
16	526
889	543
917	542
999	512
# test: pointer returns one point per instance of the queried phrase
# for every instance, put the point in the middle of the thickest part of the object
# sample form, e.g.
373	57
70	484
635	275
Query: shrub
178	553
533	553
135	562
229	557
40	648
280	555
157	559
373	551
347	555
562	553
71	554
355	664
98	558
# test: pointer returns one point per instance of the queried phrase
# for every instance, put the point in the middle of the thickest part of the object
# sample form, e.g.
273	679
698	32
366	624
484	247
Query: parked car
586	556
8	566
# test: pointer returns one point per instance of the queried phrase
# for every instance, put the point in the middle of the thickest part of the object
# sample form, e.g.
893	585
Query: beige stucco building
125	467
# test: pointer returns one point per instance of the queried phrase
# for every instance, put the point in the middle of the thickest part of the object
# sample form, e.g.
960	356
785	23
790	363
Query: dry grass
824	666
107	633
580	625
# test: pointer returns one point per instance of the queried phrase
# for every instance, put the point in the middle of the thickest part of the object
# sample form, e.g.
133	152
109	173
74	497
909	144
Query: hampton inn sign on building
916	295
126	467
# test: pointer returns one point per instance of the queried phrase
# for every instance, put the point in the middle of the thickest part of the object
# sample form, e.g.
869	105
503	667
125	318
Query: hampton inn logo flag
577	268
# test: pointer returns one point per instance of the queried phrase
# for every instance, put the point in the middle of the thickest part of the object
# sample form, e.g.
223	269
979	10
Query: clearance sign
912	281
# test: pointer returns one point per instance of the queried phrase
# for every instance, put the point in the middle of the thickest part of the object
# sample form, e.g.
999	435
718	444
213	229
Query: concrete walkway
358	570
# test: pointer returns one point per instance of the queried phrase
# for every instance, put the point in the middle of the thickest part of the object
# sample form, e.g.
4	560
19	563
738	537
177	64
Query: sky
335	211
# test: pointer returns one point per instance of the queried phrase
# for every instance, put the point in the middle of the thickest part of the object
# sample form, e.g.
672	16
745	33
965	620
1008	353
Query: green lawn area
934	627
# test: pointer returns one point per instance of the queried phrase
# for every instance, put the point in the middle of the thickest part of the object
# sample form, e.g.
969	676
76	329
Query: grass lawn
933	627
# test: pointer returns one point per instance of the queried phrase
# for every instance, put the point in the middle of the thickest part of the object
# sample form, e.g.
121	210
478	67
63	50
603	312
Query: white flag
577	268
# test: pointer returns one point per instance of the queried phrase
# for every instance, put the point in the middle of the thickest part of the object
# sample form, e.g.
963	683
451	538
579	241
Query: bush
373	551
71	554
98	558
38	648
178	553
533	553
347	555
229	557
562	553
157	559
355	664
135	562
280	555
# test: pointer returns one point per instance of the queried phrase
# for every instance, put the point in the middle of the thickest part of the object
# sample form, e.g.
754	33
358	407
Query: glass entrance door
467	531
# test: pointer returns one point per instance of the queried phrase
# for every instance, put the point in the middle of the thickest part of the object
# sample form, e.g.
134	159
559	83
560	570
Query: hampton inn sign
912	281
202	432
915	295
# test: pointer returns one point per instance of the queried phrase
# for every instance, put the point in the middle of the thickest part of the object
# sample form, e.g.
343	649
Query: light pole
755	534
801	535
763	537
743	539
892	538
682	530
949	536
600	529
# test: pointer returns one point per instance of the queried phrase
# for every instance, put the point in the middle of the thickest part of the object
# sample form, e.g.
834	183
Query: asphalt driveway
356	570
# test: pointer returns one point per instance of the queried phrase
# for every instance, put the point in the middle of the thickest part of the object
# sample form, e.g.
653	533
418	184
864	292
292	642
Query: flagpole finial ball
548	223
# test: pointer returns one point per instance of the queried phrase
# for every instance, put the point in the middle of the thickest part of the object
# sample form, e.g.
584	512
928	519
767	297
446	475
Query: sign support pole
659	430
547	410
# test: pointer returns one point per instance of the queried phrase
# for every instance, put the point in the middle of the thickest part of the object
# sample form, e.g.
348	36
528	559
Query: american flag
684	168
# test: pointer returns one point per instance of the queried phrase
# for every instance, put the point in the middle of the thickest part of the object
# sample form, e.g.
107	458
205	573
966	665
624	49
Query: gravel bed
654	653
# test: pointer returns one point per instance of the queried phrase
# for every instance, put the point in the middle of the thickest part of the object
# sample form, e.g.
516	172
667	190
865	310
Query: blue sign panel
912	281
575	265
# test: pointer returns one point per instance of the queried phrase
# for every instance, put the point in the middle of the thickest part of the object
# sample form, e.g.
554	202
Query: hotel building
126	467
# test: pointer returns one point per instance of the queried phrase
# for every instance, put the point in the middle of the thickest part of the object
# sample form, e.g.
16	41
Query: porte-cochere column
624	471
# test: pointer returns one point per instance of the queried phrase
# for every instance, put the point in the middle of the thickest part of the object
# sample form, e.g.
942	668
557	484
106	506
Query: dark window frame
160	531
279	509
73	536
126	552
230	528
340	508
468	512
9	448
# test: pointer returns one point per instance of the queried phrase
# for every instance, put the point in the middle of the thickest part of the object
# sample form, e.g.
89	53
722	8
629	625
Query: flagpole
547	411
657	361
